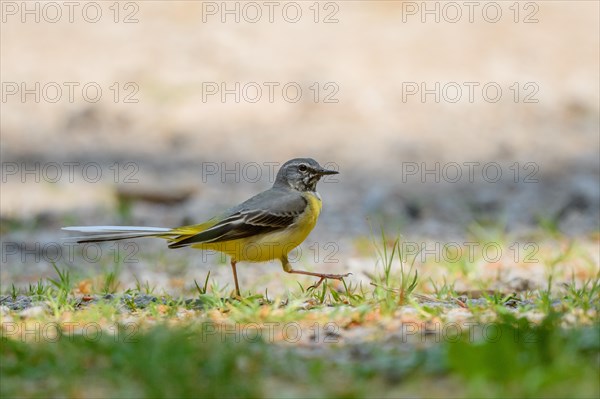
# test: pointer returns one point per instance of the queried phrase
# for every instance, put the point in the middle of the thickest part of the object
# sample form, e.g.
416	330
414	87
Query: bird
266	227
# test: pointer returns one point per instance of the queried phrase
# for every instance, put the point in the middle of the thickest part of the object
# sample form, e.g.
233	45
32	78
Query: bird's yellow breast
310	216
265	247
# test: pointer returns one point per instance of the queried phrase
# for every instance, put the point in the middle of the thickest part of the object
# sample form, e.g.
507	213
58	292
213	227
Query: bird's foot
324	277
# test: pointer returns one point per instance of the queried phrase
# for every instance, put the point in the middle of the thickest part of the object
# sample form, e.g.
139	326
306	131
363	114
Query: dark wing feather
276	210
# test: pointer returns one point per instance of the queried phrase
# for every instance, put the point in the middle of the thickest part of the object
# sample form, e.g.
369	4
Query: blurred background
439	117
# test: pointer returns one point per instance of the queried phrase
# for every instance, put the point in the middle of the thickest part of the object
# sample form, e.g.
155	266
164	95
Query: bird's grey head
301	174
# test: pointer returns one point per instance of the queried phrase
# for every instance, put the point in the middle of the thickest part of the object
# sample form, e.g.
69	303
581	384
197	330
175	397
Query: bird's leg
237	286
288	268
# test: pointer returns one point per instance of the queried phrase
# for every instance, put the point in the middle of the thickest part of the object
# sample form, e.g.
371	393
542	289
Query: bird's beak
323	172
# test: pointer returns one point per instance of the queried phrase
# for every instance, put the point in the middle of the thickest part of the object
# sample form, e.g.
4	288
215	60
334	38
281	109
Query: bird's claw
325	277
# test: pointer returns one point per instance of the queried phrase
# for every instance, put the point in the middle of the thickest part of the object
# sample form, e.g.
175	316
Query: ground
401	334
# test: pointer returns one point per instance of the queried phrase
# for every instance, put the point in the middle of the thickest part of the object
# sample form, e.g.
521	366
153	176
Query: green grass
520	359
516	359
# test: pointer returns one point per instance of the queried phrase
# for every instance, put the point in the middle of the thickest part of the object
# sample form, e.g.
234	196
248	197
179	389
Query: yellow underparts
277	245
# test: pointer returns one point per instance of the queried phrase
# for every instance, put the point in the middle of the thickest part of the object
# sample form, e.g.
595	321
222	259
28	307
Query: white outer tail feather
114	229
111	233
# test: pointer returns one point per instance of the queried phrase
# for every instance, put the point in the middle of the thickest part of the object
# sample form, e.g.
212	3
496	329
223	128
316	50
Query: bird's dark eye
302	168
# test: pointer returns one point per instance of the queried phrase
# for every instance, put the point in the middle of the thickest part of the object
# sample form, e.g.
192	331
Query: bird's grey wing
267	212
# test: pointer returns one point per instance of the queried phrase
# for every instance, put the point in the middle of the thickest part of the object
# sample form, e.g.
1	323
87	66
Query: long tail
115	233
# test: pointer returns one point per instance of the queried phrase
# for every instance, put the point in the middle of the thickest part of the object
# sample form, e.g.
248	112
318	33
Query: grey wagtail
265	227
